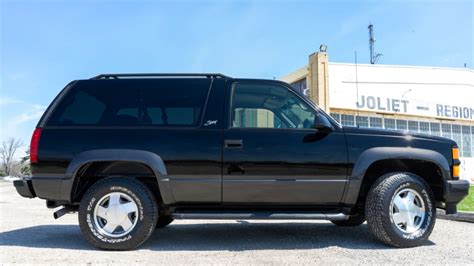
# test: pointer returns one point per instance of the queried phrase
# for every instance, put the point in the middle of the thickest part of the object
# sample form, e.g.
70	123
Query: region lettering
454	111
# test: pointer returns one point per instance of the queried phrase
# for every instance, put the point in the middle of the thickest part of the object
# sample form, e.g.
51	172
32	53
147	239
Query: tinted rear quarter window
83	108
133	102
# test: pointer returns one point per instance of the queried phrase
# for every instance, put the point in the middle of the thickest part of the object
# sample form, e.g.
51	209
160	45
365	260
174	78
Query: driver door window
269	106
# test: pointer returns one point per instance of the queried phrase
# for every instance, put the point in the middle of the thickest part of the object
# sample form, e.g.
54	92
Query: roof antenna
374	57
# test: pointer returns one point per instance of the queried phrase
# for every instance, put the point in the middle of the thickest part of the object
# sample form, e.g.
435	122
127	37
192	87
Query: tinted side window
167	102
76	113
269	106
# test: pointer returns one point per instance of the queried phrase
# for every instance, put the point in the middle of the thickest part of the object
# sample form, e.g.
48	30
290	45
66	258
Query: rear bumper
24	187
53	188
454	192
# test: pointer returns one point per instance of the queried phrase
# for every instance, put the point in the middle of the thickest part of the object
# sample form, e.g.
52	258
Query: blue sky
46	44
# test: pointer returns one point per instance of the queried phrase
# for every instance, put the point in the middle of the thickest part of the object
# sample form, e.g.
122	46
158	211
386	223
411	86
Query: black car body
189	139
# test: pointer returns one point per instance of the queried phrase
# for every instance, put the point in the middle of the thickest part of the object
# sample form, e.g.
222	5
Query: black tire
163	221
146	213
354	220
378	210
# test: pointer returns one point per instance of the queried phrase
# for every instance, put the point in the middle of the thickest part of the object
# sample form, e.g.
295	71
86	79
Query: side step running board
261	215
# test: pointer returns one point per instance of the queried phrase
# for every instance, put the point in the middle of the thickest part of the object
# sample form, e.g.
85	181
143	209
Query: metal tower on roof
374	57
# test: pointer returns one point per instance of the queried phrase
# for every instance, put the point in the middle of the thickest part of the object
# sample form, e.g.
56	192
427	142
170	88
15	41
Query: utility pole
374	57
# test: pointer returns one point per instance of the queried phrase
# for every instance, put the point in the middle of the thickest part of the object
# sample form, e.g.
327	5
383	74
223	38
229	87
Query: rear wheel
400	210
118	214
354	220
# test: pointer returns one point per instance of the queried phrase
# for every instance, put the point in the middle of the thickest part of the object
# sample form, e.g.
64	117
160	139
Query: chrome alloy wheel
115	214
407	210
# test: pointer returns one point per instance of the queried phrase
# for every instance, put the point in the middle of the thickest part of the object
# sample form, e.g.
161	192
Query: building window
458	137
401	124
435	129
336	116
362	121
446	130
466	141
425	128
347	120
413	126
472	140
375	122
390	123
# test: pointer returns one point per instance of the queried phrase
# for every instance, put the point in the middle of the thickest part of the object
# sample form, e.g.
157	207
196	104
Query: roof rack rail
160	75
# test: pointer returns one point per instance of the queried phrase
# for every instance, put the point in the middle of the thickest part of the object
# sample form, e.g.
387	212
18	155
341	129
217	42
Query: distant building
428	100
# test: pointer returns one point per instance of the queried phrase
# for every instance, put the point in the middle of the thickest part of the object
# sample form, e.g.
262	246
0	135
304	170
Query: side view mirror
322	124
323	128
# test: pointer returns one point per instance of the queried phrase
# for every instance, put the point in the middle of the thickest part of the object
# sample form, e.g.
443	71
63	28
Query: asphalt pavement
29	234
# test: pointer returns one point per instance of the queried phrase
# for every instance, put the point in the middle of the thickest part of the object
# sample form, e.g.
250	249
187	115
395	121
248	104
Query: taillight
35	139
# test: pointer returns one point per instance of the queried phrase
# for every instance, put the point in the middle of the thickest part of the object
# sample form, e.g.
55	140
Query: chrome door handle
233	143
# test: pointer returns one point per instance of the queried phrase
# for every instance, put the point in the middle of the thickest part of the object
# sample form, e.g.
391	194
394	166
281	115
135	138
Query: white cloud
19	121
35	113
8	100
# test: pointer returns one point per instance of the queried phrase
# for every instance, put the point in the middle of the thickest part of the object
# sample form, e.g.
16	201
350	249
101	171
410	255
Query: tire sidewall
411	239
139	233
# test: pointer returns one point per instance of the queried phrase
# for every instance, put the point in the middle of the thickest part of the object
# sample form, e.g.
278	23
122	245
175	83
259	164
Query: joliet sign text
393	105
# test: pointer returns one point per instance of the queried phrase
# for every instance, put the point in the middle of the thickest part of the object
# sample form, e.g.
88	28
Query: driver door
273	155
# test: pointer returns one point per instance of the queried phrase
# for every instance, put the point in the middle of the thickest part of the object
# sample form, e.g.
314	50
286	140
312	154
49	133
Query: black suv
133	152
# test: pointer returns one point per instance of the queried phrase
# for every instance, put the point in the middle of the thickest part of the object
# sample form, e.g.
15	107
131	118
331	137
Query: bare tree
7	154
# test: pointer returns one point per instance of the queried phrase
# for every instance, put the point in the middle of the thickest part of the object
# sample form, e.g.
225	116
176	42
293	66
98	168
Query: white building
428	100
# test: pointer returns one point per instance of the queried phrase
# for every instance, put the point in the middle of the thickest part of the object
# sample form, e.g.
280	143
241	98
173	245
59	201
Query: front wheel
400	210
118	213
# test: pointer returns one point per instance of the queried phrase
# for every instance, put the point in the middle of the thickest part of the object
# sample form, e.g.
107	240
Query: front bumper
24	187
454	192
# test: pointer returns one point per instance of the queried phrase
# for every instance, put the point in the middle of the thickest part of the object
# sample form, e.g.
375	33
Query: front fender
152	160
373	155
